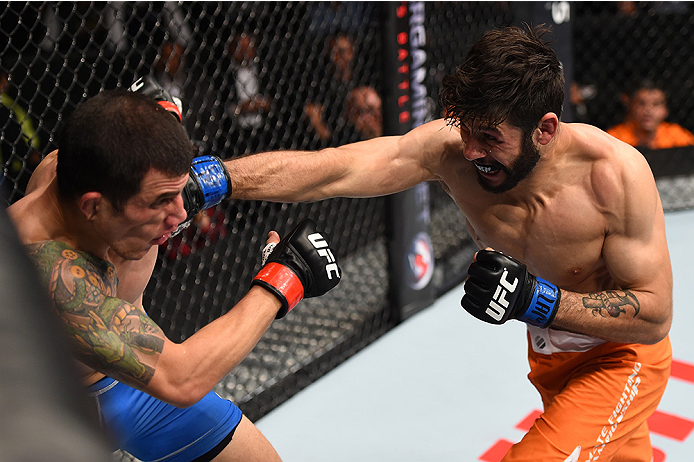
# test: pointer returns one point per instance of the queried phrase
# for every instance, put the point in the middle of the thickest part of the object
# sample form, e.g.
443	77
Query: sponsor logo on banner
420	259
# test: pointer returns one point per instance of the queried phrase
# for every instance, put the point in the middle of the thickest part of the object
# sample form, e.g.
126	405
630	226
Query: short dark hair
511	74
637	85
112	140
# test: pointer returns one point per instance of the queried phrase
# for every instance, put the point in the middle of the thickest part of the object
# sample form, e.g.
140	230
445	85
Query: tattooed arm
118	339
636	306
108	334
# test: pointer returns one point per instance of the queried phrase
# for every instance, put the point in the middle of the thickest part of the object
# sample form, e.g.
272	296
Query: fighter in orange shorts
577	209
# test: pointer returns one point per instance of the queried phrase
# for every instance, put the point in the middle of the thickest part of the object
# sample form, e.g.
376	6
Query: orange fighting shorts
596	403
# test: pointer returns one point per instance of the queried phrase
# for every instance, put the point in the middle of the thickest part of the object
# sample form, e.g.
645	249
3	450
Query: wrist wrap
284	283
543	305
212	178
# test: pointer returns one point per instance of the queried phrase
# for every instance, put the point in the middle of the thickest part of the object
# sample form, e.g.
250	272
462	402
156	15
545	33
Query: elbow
660	328
660	331
183	399
182	395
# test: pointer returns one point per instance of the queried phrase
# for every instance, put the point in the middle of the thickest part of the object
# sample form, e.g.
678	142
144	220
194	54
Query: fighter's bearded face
503	154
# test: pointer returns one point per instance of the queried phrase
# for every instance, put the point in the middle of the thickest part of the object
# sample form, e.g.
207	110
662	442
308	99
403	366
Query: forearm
499	288
189	370
283	176
624	316
375	167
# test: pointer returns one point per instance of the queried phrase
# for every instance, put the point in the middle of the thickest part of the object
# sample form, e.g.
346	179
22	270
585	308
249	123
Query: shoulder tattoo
109	334
612	303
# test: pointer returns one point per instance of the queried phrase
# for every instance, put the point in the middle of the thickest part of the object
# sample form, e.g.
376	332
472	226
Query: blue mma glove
208	185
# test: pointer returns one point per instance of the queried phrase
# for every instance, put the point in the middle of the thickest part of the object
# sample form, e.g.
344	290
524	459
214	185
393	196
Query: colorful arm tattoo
110	334
612	302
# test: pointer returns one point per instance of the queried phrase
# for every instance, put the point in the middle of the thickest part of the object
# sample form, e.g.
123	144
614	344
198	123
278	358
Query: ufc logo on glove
499	288
321	245
296	267
498	305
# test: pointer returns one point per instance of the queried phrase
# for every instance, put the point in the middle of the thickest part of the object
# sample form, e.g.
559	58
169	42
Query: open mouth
487	169
161	239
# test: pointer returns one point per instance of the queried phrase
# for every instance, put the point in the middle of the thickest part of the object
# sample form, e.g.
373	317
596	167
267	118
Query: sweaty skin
588	218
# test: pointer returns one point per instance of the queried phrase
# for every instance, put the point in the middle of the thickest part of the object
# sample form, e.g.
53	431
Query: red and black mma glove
150	87
499	288
301	265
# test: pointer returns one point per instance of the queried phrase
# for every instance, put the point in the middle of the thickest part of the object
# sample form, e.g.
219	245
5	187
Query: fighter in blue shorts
95	213
152	430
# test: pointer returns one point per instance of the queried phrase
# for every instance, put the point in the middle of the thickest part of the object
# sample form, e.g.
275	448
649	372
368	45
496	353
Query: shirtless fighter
95	213
570	227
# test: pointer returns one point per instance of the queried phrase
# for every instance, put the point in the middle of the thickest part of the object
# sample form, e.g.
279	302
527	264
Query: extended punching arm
499	288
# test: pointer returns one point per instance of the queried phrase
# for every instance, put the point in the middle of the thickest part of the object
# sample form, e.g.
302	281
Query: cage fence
256	76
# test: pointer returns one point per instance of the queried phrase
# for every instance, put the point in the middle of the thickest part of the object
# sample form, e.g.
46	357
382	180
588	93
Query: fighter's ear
547	128
90	203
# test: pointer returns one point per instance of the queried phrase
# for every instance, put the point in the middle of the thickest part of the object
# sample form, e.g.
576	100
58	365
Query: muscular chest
558	238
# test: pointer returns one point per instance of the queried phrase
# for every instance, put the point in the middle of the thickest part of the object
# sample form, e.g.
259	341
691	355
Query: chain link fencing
257	76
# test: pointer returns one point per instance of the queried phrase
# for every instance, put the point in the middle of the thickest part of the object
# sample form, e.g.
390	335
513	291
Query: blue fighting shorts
152	430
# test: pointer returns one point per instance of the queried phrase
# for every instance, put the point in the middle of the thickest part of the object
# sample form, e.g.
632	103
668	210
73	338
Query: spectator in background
249	105
85	27
644	125
364	114
331	82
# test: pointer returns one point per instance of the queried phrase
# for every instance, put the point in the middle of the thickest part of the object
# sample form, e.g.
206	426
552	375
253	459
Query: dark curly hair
511	74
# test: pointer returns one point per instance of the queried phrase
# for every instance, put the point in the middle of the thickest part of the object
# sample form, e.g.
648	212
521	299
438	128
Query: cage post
411	254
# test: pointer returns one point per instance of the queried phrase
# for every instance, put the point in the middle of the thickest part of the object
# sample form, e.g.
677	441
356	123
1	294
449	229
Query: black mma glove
499	288
208	185
149	86
300	266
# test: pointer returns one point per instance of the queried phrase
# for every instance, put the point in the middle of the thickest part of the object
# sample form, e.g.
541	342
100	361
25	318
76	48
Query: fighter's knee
248	445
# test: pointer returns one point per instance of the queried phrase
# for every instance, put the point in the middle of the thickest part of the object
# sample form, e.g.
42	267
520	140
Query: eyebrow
165	195
487	128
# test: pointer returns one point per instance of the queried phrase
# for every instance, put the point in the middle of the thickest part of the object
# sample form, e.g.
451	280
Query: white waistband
548	341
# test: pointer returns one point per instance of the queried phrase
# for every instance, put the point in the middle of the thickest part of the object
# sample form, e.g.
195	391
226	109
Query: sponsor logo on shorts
631	390
574	455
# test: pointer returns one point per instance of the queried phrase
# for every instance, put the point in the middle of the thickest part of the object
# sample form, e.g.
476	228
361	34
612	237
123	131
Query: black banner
411	254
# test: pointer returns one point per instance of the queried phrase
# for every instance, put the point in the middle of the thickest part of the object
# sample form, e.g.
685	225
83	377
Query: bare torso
555	221
36	213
